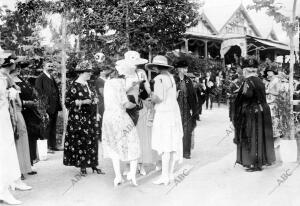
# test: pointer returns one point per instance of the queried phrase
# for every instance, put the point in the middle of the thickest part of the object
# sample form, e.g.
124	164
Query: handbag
42	149
134	112
143	92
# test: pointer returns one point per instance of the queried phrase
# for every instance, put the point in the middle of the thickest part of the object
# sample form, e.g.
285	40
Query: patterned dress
274	87
119	135
81	144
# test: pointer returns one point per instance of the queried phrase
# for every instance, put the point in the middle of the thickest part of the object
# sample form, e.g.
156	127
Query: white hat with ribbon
127	66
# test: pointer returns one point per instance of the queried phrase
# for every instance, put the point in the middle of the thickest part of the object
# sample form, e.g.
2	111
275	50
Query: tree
290	25
158	24
19	31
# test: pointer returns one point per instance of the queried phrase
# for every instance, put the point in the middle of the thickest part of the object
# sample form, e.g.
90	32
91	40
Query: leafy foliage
20	28
273	10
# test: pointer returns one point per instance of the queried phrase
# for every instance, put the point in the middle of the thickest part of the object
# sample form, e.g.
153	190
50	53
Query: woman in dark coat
252	122
81	143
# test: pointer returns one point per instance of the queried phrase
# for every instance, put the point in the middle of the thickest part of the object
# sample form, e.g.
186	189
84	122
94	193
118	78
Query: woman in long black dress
252	122
81	143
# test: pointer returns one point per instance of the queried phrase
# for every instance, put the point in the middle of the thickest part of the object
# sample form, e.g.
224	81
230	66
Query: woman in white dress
10	170
144	131
120	140
167	129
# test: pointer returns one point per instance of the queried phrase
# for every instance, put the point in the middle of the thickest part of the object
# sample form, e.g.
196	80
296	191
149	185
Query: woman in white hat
167	129
135	81
10	171
119	136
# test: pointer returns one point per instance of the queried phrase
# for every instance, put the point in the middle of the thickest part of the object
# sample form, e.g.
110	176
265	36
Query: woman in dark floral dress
81	143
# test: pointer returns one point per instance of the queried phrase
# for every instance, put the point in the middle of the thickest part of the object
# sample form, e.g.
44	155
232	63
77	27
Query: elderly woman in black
81	143
252	122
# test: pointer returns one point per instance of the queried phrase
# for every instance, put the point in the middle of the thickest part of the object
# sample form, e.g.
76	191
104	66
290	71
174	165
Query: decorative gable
204	26
240	23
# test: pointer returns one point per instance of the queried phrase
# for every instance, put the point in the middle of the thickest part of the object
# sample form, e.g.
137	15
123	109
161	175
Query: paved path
209	178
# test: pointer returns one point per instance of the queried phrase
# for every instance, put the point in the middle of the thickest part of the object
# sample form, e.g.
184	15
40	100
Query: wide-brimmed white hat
132	57
125	68
160	61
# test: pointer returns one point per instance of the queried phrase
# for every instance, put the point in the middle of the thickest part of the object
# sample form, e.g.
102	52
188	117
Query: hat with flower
84	66
10	60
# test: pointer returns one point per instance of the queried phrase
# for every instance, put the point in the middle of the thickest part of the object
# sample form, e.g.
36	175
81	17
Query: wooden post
186	45
291	81
150	59
63	75
205	49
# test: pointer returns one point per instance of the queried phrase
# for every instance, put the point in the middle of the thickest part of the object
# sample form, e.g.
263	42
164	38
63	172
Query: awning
273	45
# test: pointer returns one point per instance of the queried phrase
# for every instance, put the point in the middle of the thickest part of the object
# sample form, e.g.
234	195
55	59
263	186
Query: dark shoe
254	169
186	156
99	171
83	172
22	177
32	173
50	151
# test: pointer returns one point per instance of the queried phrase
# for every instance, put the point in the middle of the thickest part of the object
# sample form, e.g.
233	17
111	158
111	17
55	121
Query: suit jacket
191	95
48	90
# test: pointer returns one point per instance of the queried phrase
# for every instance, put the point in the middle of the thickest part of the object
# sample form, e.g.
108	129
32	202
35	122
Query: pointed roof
208	23
272	35
242	9
204	26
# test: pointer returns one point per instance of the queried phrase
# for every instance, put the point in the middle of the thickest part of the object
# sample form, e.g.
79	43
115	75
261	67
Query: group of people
28	113
143	113
141	121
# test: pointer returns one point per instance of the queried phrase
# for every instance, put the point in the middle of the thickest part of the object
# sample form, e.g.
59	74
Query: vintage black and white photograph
149	102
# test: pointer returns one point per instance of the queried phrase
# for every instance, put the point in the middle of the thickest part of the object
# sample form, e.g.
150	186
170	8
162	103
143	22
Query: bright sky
224	10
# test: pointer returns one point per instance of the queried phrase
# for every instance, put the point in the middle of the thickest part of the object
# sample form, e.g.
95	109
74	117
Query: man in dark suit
47	89
187	102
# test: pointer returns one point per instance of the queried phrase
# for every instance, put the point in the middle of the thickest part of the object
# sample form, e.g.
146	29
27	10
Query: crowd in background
143	113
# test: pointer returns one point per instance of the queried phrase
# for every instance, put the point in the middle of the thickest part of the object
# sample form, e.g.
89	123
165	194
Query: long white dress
119	135
167	132
9	165
148	156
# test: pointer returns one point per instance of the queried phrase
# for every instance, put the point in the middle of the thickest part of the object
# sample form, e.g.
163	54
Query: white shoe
118	181
132	179
161	181
8	198
20	186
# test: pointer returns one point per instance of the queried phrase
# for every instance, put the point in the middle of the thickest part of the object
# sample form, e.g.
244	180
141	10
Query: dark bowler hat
181	63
